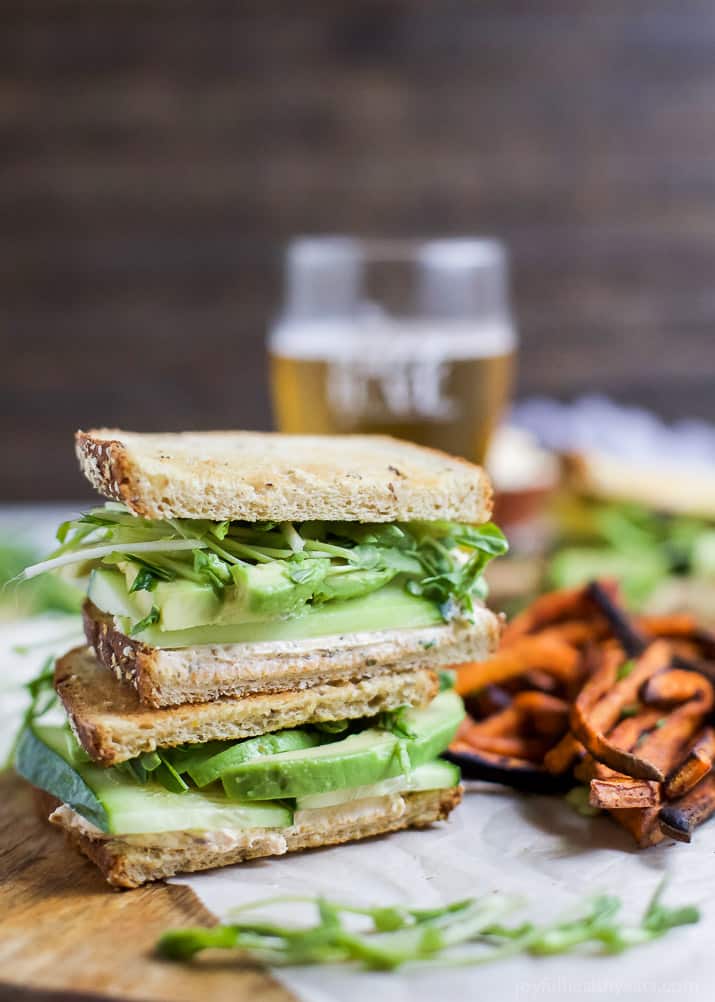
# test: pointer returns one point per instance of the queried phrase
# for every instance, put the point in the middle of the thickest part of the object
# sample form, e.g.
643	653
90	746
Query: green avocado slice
433	728
437	775
361	759
233	755
357	760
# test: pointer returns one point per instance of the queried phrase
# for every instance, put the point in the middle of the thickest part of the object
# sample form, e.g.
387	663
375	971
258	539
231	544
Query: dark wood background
155	155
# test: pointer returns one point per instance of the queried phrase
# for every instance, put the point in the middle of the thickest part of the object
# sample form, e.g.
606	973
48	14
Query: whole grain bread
130	862
112	725
170	677
262	475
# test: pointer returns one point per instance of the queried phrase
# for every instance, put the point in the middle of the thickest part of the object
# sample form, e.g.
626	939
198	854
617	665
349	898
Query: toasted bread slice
261	475
171	677
129	861
113	726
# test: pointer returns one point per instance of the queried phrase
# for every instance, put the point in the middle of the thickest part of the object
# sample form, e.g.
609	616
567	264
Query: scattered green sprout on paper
468	932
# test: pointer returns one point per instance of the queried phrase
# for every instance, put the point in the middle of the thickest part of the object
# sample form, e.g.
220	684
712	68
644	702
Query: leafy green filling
296	564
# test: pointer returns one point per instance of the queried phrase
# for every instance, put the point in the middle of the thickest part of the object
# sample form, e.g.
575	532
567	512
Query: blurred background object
632	499
411	339
157	157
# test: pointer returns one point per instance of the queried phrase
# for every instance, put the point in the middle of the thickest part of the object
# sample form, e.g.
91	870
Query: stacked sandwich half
266	617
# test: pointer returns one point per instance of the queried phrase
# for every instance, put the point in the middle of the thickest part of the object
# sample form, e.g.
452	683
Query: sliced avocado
269	589
389	608
182	604
435	775
360	759
185	758
357	760
115	804
434	727
214	766
353	583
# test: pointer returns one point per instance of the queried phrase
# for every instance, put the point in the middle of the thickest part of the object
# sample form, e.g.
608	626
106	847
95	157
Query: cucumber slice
117	805
108	591
216	766
138	810
41	761
360	759
430	776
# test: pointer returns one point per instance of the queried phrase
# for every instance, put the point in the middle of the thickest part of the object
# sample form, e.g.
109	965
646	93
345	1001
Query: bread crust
112	725
264	475
125	864
170	677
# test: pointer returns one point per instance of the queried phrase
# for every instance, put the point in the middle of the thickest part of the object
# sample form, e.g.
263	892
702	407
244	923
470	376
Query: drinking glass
412	339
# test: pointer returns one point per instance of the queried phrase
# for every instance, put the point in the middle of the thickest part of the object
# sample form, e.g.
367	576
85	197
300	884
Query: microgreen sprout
471	931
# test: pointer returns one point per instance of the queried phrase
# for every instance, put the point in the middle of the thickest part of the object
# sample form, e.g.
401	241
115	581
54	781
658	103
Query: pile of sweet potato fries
579	692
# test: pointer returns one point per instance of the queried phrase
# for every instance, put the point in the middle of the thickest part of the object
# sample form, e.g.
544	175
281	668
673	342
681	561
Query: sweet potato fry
544	715
642	823
529	749
491	699
585	768
505	722
578	631
629	731
674	624
696	765
685	650
555	657
606	695
541	680
613	695
463	728
701	666
705	639
678	819
666	746
459	747
517	773
625	735
623	791
670	688
626	762
559	758
631	639
555	606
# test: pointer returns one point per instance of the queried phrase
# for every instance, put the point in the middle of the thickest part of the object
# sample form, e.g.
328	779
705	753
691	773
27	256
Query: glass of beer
408	339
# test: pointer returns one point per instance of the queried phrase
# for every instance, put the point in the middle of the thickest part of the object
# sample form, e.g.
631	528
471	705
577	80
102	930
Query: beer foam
389	340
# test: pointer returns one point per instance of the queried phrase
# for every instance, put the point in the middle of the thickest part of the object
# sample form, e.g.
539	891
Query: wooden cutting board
63	929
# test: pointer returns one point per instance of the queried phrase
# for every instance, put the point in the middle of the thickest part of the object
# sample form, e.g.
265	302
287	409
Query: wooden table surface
63	931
